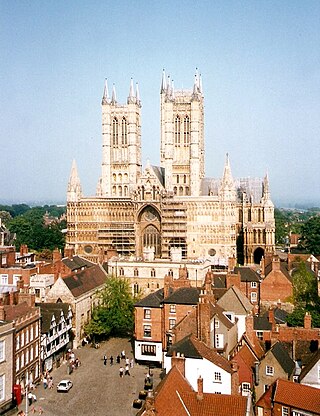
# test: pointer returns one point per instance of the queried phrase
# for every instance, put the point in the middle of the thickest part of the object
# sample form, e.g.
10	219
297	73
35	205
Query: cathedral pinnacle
105	98
74	185
227	187
137	93
114	97
131	97
163	82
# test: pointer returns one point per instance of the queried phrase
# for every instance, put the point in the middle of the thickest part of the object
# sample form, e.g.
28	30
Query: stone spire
114	96
74	192
137	93
163	82
172	89
227	187
196	86
105	98
131	97
266	187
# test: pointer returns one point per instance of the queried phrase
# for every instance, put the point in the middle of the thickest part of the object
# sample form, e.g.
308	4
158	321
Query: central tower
182	137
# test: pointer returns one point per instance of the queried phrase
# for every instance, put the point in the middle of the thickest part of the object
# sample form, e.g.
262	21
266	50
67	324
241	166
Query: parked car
64	385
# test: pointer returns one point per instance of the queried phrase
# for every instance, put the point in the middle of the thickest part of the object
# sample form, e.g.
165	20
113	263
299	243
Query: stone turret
74	192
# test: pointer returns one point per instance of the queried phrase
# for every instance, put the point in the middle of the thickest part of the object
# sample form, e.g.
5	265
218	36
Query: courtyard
97	388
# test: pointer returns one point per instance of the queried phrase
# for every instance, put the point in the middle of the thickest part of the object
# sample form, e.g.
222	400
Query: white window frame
147	313
259	335
217	377
245	388
254	285
2	387
172	308
284	411
4	279
172	323
269	370
253	297
144	331
2	350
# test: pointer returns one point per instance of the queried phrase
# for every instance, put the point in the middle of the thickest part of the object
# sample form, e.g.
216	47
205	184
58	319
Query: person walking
127	370
111	360
131	362
121	371
118	359
105	358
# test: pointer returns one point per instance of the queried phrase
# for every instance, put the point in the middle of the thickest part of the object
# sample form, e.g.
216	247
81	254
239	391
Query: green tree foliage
30	229
310	235
5	217
305	289
114	314
306	299
281	229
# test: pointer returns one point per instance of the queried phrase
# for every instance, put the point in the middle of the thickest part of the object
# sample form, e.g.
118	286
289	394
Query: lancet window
115	132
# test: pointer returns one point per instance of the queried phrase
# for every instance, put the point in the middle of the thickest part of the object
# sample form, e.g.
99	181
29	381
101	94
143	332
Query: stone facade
171	205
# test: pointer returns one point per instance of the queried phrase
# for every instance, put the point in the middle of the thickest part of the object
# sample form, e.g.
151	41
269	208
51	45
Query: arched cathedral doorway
257	255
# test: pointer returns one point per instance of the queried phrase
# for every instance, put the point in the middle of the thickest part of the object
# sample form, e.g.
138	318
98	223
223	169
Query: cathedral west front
172	209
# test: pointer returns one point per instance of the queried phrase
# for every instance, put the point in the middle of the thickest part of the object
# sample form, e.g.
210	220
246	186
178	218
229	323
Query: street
97	389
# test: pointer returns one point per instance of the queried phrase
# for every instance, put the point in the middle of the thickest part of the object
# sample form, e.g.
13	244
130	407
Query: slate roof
297	396
314	360
280	315
219	281
47	310
247	274
217	310
184	296
261	323
283	358
160	173
85	280
76	263
191	347
153	300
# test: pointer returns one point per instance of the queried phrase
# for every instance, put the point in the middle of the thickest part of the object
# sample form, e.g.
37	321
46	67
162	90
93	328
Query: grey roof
85	280
76	263
280	315
261	323
160	174
247	274
314	360
283	358
219	281
47	310
153	300
184	296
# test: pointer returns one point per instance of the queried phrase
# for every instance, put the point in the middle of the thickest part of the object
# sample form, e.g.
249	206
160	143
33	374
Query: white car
64	385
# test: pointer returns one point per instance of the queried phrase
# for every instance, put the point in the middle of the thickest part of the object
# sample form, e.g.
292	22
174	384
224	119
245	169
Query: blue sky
260	65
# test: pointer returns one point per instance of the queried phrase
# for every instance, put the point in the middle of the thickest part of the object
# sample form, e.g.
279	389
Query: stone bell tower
121	144
182	137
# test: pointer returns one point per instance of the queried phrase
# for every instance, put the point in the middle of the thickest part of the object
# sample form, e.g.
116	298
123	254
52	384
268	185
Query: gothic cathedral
171	209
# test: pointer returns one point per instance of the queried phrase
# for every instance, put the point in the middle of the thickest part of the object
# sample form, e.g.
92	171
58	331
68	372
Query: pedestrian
30	398
111	360
118	359
45	382
33	410
105	358
50	383
40	410
127	361
121	370
131	362
127	372
123	354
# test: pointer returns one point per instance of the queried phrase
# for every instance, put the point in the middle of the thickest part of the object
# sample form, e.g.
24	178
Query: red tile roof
214	404
297	396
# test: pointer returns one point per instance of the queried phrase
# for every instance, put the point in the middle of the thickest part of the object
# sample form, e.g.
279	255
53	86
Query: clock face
212	252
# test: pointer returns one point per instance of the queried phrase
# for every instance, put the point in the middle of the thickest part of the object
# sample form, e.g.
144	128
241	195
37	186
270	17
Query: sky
260	66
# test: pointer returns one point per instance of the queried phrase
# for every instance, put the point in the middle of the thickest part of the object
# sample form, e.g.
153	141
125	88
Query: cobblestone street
97	389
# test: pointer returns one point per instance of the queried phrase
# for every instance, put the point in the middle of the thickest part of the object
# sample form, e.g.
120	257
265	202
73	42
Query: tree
310	235
305	290
114	314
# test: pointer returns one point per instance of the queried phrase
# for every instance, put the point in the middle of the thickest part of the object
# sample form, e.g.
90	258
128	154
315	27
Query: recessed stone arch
258	254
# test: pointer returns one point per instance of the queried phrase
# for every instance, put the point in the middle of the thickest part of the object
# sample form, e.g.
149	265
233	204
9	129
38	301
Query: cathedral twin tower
171	206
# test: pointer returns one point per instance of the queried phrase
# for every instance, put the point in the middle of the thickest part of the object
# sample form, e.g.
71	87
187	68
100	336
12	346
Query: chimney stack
179	361
200	388
307	321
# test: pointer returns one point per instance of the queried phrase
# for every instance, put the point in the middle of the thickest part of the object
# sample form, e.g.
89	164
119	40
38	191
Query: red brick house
285	398
276	285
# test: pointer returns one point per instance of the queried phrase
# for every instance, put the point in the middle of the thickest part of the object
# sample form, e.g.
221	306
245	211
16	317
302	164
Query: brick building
6	365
